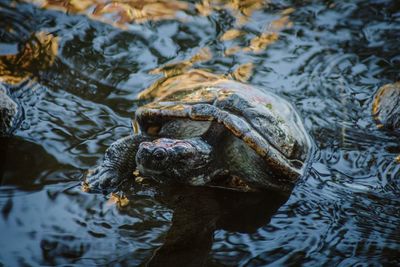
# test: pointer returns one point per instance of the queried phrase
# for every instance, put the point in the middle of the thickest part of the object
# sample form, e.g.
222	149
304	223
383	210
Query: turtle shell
263	121
386	106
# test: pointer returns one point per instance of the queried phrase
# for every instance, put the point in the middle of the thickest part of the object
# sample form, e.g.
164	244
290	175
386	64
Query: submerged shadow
199	211
24	164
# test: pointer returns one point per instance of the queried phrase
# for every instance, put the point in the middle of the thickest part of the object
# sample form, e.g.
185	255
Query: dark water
79	99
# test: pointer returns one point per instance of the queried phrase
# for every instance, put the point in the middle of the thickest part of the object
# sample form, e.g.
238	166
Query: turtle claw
100	179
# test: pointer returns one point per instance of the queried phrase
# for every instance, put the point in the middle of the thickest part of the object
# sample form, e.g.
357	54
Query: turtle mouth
151	173
156	175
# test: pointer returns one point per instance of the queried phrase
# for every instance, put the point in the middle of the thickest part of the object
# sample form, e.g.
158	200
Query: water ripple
329	62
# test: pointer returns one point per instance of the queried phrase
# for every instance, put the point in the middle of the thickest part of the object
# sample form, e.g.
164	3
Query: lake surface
76	77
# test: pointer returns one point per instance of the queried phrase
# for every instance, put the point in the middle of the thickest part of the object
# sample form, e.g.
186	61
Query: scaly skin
188	161
118	164
386	106
8	113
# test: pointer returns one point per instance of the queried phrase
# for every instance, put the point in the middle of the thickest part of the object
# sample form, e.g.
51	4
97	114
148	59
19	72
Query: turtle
195	132
9	113
386	106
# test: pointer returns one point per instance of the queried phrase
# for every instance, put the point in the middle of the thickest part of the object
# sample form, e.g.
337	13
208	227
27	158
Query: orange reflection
37	54
120	200
271	35
243	72
242	9
232	50
187	80
118	12
260	42
121	12
173	69
178	75
140	11
231	34
71	6
191	80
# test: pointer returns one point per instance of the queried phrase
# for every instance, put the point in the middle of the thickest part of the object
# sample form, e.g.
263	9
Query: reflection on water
77	76
197	213
36	54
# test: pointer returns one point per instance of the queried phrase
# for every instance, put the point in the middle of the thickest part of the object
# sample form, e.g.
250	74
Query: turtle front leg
118	164
8	113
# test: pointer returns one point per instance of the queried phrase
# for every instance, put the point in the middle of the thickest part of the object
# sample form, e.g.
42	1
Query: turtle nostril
160	154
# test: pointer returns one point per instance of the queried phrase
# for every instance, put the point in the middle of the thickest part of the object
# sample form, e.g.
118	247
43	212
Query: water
77	84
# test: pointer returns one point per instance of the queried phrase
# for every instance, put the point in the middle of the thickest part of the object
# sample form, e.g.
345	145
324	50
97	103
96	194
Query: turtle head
171	160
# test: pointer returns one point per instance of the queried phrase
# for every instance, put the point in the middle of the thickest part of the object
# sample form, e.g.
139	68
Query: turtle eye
160	154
